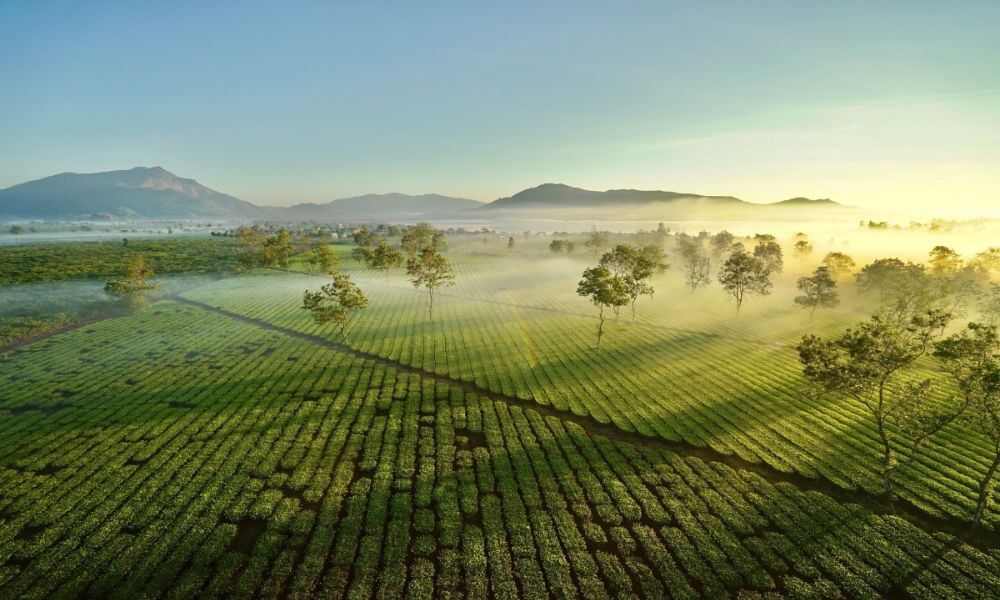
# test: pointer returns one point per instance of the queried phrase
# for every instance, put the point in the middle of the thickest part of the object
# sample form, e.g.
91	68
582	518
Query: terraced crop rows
180	452
691	374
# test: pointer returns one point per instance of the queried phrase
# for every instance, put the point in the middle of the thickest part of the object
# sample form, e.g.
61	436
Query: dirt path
984	539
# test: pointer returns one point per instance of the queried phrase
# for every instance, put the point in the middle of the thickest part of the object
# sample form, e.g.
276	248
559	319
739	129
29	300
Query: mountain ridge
156	193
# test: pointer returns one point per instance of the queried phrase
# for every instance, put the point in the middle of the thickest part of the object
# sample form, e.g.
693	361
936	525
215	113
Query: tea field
222	445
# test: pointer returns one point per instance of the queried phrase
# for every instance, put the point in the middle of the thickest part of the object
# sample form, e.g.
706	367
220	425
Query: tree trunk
984	490
600	327
887	468
812	313
430	304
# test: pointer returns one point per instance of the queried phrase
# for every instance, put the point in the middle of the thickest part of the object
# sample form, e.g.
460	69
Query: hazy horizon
888	107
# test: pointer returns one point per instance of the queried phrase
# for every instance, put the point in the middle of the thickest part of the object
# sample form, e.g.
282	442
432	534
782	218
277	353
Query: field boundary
984	538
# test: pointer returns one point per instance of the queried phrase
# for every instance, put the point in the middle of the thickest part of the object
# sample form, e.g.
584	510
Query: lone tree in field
818	290
510	242
335	302
838	263
695	262
744	274
635	267
873	364
972	358
429	269
605	290
324	259
134	286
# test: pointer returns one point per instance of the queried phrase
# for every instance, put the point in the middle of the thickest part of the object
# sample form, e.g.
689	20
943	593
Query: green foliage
838	263
972	358
803	249
817	290
133	287
42	262
873	363
745	275
429	269
604	289
597	242
768	251
335	302
695	262
324	259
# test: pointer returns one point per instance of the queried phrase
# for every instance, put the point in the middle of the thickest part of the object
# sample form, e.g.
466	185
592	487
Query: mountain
559	201
139	193
155	193
807	202
558	194
380	206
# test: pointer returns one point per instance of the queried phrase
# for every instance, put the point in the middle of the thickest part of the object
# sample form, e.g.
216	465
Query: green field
223	445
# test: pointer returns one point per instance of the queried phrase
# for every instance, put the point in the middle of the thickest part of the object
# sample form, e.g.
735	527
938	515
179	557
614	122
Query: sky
889	104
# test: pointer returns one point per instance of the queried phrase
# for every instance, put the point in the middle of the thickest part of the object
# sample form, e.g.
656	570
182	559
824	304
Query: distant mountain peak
139	192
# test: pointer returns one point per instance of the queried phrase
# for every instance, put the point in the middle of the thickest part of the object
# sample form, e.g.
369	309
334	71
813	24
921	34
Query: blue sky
882	104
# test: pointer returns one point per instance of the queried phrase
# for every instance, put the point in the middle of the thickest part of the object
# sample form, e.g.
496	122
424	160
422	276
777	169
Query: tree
768	250
818	290
838	263
972	358
430	269
133	287
635	267
597	241
989	304
277	249
987	262
605	290
802	249
335	302
744	274
16	229
695	263
249	241
324	258
722	244
872	363
510	243
420	236
944	261
377	253
904	288
557	246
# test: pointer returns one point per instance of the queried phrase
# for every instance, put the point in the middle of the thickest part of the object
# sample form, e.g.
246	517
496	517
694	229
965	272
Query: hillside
155	193
558	194
379	206
140	193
